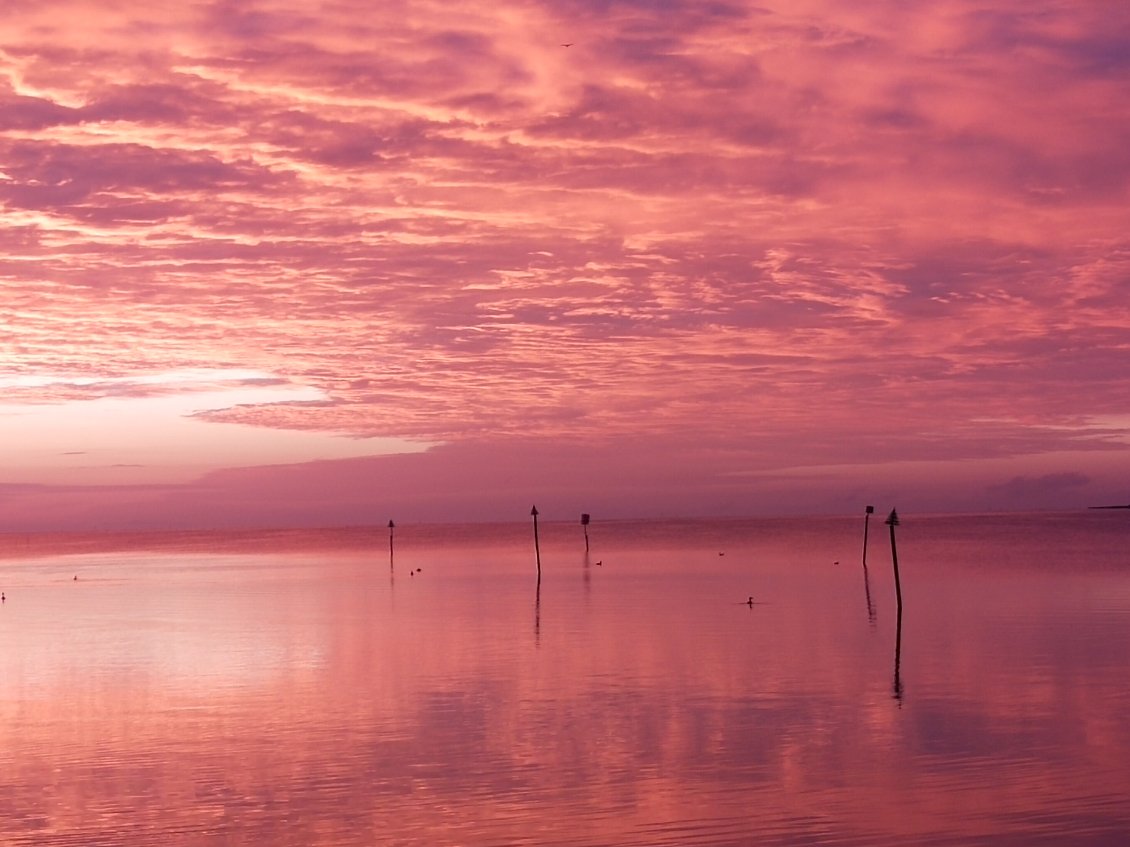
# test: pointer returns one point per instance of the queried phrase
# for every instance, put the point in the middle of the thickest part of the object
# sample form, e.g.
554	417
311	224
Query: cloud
1048	485
825	231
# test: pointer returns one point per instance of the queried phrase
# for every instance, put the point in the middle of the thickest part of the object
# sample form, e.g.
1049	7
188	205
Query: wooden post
866	520
391	527
585	526
537	546
893	521
868	512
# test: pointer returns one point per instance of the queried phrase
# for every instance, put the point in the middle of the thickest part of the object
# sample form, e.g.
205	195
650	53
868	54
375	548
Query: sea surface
308	688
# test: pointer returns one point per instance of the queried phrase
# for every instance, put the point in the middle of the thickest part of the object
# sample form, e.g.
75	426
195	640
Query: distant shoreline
1109	507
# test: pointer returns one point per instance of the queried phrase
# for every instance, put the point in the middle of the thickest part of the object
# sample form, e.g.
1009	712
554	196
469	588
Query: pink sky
270	262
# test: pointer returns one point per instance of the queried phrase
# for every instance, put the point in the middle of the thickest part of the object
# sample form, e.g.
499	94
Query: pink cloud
807	230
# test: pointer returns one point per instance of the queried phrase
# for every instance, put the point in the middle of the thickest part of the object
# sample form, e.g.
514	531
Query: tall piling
893	521
391	528
868	512
537	544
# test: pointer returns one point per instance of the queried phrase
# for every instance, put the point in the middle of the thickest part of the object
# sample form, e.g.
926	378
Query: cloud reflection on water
295	696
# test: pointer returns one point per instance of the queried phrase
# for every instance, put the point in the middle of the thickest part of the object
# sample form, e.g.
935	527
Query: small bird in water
749	602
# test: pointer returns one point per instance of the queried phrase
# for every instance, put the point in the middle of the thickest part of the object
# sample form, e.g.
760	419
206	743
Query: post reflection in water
897	686
272	693
867	595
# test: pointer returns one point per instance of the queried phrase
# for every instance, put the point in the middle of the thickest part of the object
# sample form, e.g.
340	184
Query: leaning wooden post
585	526
893	521
537	546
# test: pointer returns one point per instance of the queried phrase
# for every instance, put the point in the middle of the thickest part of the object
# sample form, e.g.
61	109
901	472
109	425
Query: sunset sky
276	262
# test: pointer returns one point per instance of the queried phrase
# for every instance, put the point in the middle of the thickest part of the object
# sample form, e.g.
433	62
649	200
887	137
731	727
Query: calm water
291	688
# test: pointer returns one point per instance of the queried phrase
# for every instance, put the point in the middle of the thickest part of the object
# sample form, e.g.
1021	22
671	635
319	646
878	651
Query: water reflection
897	686
282	698
867	594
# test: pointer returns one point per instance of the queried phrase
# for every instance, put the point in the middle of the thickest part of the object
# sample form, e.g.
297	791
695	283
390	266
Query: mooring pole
870	510
537	545
585	526
893	521
866	520
391	527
